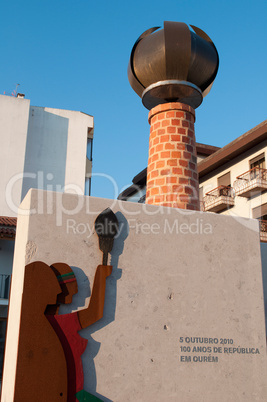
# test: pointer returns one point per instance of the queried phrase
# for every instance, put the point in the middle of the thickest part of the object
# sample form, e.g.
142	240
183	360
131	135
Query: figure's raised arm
95	309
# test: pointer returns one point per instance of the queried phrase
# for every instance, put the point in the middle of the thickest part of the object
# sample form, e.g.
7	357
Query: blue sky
73	54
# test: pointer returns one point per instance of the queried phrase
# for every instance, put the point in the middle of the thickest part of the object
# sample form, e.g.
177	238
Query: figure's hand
96	305
106	269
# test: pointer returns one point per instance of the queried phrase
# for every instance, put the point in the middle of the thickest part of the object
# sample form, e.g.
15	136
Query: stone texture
177	276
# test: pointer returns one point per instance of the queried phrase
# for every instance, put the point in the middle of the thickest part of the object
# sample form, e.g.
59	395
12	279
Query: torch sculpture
172	69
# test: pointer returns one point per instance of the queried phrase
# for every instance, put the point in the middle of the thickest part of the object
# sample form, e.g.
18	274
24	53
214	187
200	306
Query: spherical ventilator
173	64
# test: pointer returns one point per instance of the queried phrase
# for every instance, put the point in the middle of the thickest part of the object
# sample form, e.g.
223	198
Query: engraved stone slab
184	314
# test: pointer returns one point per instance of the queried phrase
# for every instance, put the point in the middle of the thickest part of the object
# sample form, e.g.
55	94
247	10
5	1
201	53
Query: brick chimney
172	178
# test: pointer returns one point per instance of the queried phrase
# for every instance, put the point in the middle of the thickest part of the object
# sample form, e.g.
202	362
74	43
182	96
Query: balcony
4	289
202	206
263	231
219	199
251	183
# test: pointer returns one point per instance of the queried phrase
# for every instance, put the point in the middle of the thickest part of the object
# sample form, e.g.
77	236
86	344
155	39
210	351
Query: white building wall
79	124
14	116
47	146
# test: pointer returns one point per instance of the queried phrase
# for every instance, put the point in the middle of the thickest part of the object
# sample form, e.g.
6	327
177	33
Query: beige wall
176	275
79	125
14	117
237	166
41	148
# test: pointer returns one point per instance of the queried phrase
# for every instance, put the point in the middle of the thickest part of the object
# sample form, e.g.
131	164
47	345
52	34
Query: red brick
158	199
165	172
189	148
160	164
155	157
171	130
161	116
172	162
166	120
180	146
184	198
189	117
165	189
173	179
159	147
164	138
155	126
176	154
183	180
191	134
183	163
165	154
160	181
177	189
175	137
185	123
177	171
185	139
170	114
187	155
188	190
167	204
188	172
171	197
154	191
169	146
165	123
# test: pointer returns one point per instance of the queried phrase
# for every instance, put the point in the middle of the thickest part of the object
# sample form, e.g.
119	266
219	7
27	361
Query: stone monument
183	317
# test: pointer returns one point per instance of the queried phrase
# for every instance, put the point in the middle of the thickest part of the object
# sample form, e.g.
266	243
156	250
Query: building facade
41	148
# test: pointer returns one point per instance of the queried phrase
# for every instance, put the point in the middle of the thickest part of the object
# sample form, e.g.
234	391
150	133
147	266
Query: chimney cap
173	64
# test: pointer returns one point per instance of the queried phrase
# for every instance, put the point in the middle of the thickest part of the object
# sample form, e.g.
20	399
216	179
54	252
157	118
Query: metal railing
202	206
221	191
263	226
255	173
4	286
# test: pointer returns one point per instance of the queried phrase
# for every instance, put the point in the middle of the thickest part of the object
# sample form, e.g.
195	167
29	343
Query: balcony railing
252	182
202	206
4	286
263	231
219	198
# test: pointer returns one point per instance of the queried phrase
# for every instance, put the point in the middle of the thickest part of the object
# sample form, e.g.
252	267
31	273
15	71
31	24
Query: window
258	161
87	187
89	150
260	212
224	180
2	342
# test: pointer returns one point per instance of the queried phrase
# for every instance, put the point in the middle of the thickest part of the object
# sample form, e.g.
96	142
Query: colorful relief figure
67	325
49	365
